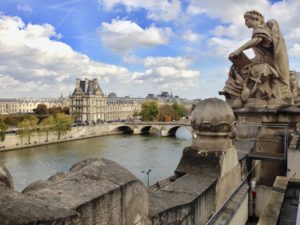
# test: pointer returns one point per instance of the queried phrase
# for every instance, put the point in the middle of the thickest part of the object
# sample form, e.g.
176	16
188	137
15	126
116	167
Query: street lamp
148	174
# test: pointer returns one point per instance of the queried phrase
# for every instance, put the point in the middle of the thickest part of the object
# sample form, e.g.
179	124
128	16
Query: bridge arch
172	131
122	129
146	129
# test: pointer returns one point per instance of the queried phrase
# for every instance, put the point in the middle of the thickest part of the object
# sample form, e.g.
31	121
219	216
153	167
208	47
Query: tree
180	110
27	127
47	125
66	110
167	113
149	110
41	109
54	110
62	124
13	120
3	128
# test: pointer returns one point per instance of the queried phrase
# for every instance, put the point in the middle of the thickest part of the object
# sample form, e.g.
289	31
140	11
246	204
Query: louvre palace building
89	104
27	105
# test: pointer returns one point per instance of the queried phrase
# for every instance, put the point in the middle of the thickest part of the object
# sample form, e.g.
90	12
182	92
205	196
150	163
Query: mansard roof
87	87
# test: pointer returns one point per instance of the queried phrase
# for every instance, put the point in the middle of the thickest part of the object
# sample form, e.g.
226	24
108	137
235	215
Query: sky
133	47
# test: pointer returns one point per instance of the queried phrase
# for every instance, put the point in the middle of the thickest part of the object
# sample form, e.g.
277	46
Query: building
89	104
27	105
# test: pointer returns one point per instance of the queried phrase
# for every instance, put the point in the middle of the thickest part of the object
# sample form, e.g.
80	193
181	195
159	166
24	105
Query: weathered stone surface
199	162
5	178
212	115
181	192
99	190
19	209
94	191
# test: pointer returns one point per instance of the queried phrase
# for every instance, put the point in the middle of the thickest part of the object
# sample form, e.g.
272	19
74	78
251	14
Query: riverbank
14	141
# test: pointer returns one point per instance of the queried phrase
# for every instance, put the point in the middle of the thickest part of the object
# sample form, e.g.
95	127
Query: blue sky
133	47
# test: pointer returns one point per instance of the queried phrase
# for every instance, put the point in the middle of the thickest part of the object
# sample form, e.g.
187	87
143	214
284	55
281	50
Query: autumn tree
62	124
149	111
55	110
167	113
13	120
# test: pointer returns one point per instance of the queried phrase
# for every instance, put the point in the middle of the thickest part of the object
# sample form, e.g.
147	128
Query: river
137	153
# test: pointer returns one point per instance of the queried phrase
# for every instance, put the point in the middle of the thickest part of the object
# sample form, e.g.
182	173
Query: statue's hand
235	54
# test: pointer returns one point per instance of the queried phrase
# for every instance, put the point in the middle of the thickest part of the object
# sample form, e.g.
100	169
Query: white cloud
295	50
166	10
168	73
230	11
176	62
32	62
24	8
191	36
123	35
232	31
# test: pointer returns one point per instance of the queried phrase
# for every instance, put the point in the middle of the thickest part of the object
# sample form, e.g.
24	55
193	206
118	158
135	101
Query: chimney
77	83
86	84
95	84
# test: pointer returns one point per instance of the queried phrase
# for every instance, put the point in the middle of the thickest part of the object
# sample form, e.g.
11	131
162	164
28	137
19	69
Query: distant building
112	95
88	103
27	105
150	96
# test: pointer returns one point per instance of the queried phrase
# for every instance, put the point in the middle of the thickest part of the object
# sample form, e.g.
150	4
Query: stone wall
195	212
13	141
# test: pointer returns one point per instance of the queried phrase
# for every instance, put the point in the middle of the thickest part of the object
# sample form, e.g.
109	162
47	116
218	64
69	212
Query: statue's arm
249	44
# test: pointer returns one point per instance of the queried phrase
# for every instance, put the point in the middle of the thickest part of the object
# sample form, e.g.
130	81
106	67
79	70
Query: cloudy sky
133	47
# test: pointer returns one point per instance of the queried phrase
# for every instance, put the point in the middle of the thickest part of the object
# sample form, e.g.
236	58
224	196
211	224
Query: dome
212	115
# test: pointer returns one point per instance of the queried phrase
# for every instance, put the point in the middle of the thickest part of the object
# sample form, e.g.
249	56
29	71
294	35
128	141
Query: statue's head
253	18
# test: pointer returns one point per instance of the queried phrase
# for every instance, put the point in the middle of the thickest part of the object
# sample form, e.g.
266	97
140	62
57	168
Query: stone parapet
94	191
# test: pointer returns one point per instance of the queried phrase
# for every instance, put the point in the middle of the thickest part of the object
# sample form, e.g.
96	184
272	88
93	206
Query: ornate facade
26	105
89	104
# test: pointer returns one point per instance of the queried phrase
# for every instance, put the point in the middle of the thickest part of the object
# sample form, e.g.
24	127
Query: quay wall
14	141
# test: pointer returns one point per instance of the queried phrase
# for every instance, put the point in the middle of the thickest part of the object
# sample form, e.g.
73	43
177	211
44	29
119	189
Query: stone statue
263	81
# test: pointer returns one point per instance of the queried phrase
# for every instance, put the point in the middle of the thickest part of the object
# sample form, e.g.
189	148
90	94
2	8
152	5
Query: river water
134	152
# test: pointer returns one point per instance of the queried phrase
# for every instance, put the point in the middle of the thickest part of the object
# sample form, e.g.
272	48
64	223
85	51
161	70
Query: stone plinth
207	172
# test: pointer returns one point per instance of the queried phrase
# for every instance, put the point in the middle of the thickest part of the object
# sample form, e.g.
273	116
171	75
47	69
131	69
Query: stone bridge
164	128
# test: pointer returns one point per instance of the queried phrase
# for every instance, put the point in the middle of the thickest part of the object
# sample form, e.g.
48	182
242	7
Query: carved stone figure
263	81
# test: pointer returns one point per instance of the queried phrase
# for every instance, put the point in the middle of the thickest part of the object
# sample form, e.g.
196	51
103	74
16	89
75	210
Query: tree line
44	120
151	111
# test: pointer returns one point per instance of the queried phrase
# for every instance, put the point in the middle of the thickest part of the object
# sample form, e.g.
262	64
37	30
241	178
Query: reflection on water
134	152
184	133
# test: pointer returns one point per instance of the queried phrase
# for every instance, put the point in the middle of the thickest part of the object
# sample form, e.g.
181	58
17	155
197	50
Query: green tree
180	110
62	124
41	109
167	113
3	128
47	125
27	127
149	111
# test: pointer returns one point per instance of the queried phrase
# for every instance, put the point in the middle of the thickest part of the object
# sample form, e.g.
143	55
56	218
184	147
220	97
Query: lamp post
148	174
